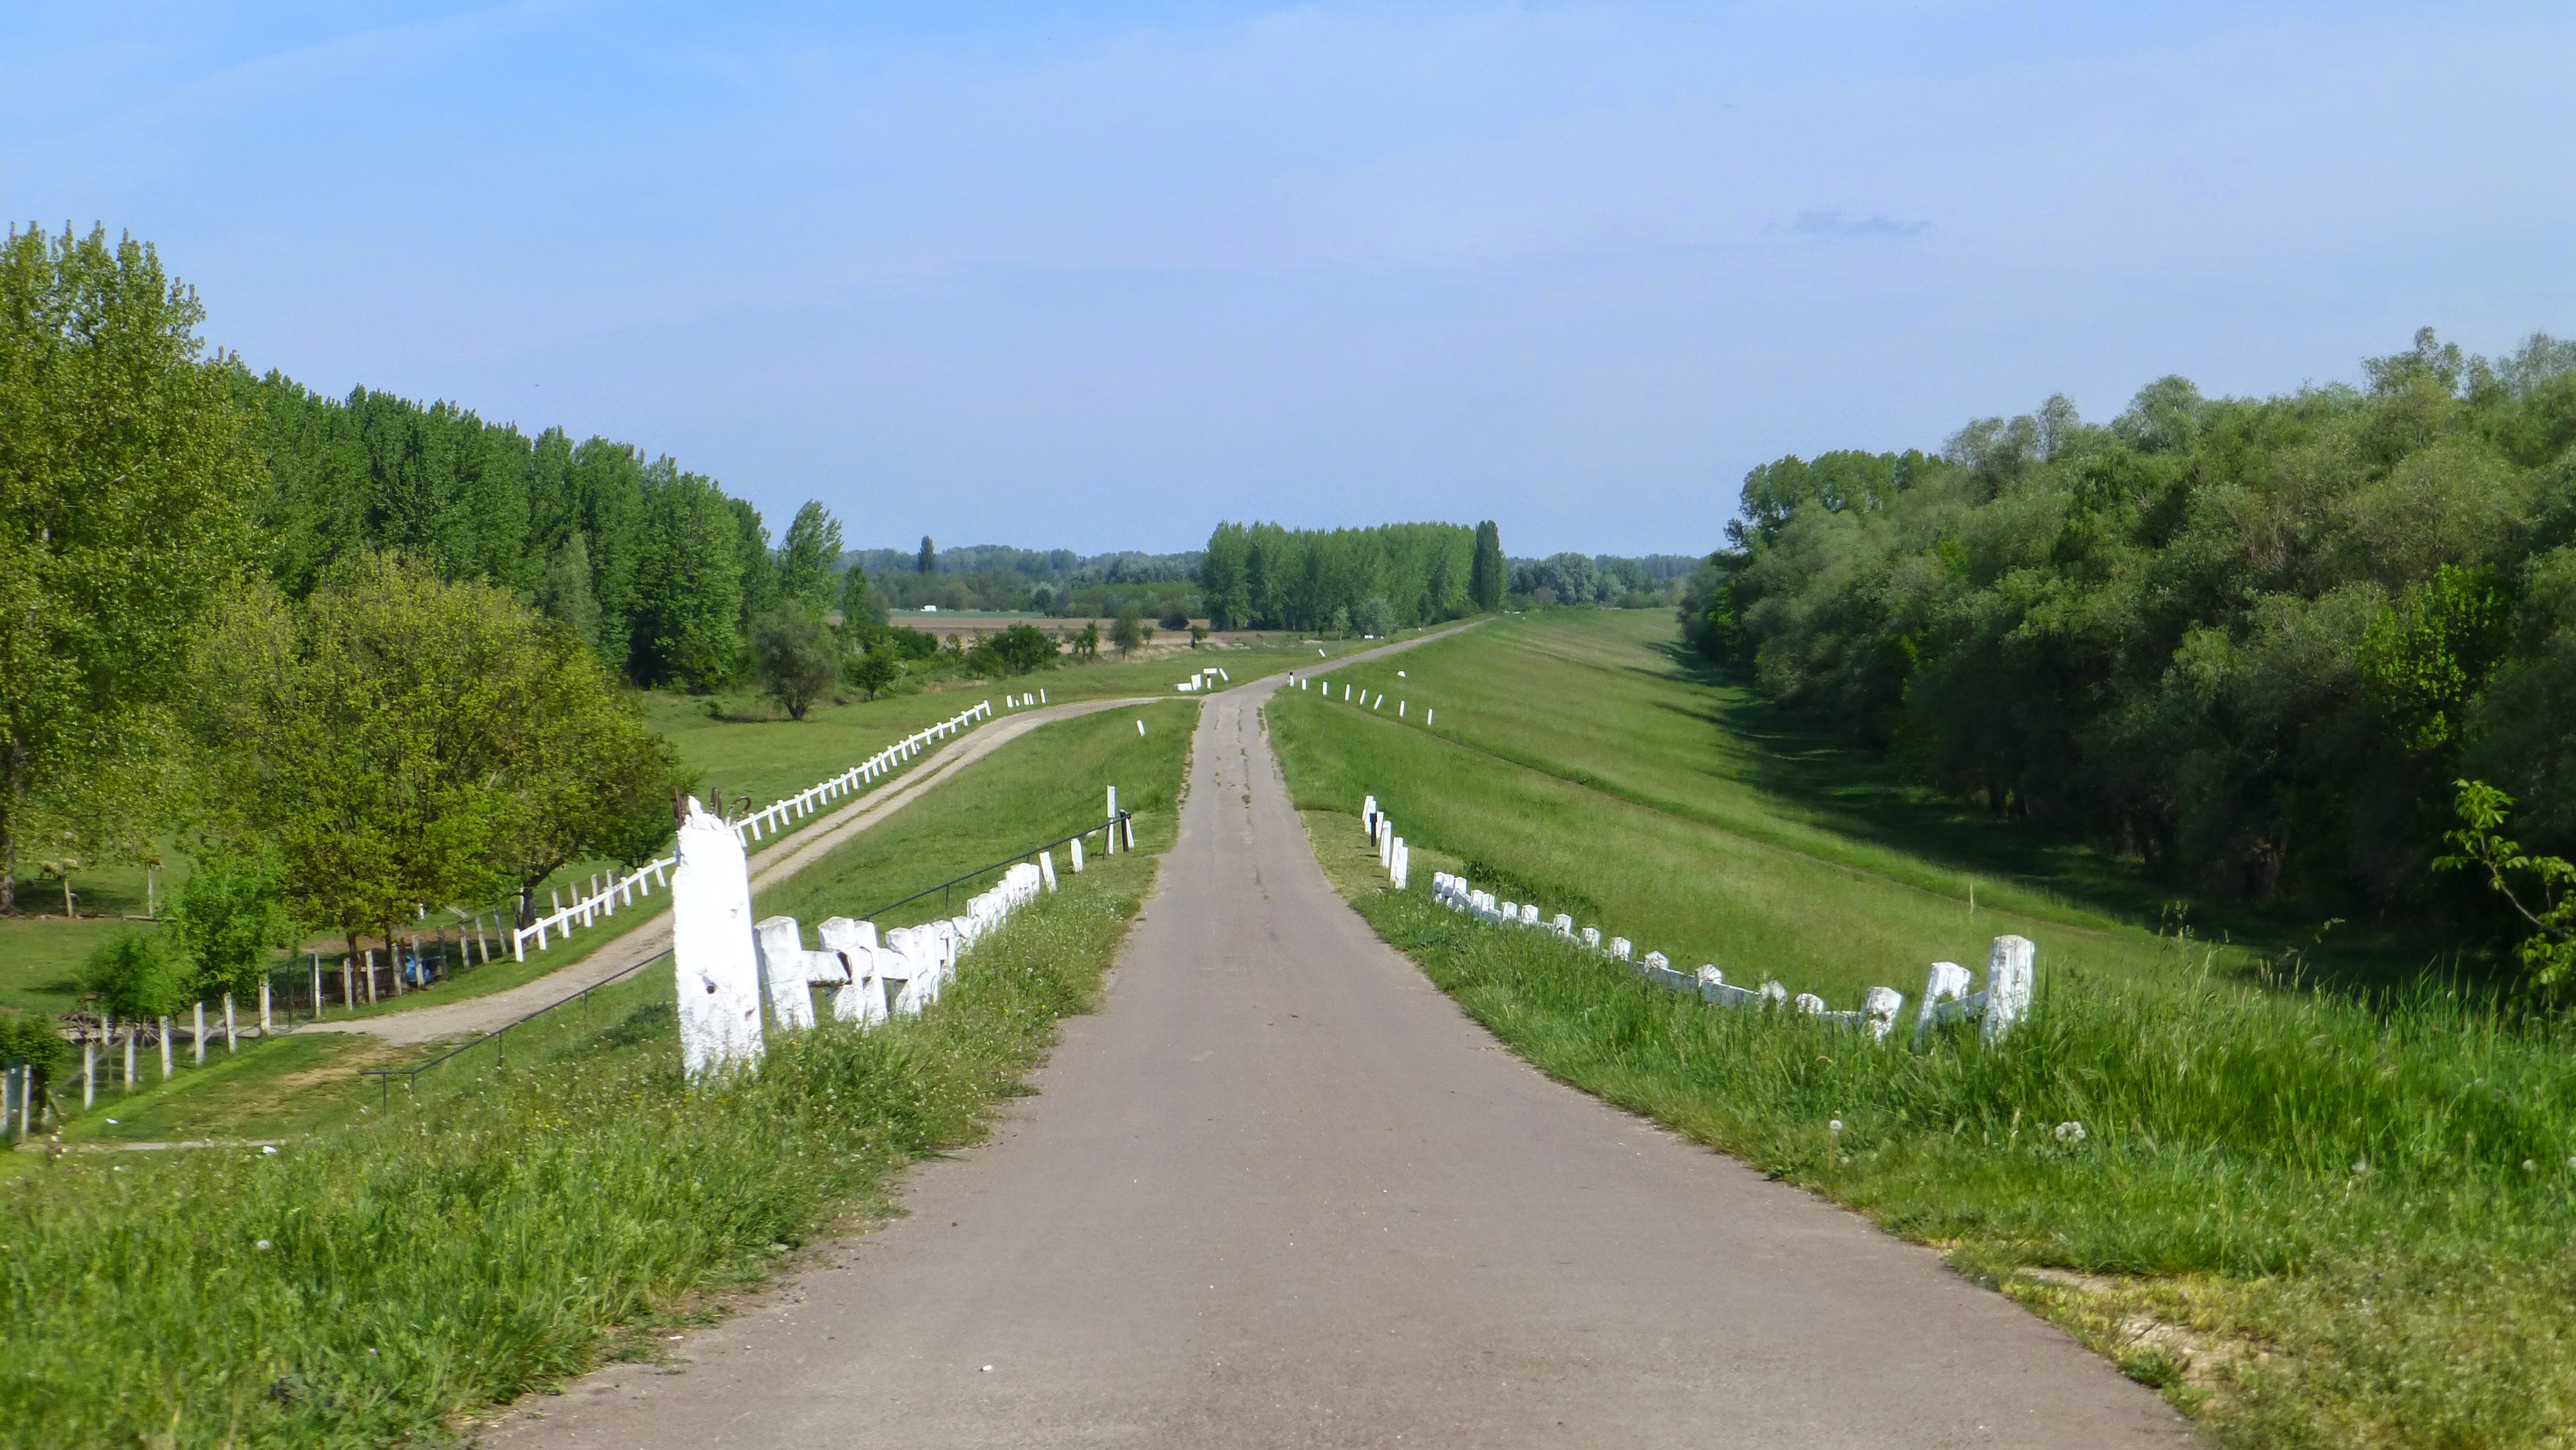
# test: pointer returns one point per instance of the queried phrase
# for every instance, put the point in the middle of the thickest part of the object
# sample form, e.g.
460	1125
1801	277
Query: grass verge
2309	1218
393	1281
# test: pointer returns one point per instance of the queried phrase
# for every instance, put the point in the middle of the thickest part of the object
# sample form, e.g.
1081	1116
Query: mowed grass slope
1526	775
2314	1219
387	1283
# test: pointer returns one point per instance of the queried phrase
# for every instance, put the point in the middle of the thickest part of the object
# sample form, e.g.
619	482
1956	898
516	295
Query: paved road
1280	1192
651	936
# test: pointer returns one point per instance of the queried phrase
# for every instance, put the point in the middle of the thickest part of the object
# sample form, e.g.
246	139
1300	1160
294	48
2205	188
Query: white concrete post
862	999
1879	1008
1810	1004
1113	816
317	995
169	1069
714	960
130	1035
1430	715
231	1044
1620	946
1772	994
89	1074
1947	982
197	1038
2008	983
264	1027
1563	924
782	963
1592	937
1046	868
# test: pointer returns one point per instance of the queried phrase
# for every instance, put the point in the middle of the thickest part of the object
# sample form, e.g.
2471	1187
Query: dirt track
1281	1192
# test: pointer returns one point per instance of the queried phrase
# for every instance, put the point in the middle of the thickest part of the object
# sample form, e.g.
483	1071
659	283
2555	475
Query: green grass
279	1087
391	1281
1669	869
2314	1219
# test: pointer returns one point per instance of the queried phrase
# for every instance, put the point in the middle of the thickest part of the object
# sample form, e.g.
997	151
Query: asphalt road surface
1280	1192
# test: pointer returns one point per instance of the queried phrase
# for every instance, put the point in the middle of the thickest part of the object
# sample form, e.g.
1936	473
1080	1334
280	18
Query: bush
874	672
230	917
1017	650
1175	618
135	976
1376	617
35	1036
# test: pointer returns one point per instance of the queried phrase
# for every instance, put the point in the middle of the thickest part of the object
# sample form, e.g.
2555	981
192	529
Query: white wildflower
2070	1134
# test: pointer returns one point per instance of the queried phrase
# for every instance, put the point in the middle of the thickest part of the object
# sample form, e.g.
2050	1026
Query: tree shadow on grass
1859	793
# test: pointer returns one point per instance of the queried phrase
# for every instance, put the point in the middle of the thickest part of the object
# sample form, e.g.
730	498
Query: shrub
135	976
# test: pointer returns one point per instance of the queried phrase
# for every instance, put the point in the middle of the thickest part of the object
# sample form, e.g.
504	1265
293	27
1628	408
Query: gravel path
1279	1191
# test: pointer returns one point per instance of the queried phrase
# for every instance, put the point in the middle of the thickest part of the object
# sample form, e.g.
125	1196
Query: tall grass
371	1286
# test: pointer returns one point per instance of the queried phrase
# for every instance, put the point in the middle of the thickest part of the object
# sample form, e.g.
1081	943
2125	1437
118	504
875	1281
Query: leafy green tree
873	671
795	658
565	596
1339	626
758	566
927	561
231	915
1087	643
688	584
127	477
400	739
1224	583
805	561
1376	617
1017	650
1486	571
2428	656
135	976
2549	953
863	611
1128	630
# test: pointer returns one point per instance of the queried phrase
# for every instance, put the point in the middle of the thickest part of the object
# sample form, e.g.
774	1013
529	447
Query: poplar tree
126	480
1486	571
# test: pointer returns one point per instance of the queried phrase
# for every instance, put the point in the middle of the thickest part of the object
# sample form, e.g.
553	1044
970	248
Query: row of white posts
725	963
133	1037
1363	700
623	891
1946	998
1203	680
1023	702
1392	856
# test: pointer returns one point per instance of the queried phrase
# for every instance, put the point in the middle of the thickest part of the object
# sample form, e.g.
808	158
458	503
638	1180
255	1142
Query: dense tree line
1039	581
2253	641
1265	576
1645	582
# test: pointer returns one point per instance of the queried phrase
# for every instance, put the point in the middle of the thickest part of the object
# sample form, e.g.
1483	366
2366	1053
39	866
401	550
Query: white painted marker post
716	964
1073	850
1046	868
2008	982
197	1036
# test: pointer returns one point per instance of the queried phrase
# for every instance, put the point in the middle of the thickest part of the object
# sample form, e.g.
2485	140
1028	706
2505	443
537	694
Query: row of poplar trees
1266	576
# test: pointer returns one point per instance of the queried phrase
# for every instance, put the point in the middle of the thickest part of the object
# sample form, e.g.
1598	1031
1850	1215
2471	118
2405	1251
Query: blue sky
1098	275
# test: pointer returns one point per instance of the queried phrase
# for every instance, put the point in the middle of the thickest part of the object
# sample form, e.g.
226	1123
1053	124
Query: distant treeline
1264	576
2253	641
1638	583
1040	581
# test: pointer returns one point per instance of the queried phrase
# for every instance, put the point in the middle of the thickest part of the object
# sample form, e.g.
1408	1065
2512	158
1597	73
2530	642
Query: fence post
168	1071
263	1003
89	1074
230	1045
317	986
197	1040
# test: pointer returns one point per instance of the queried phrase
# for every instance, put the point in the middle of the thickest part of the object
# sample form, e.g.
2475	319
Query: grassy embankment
739	742
392	1280
2310	1218
272	1087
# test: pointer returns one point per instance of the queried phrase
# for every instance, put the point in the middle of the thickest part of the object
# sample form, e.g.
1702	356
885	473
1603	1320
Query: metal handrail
943	887
498	1035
